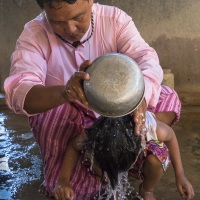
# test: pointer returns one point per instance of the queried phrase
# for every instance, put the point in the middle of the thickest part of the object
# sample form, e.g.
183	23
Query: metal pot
116	85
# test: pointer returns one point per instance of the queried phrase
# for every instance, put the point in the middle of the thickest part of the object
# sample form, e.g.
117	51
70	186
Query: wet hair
114	145
41	3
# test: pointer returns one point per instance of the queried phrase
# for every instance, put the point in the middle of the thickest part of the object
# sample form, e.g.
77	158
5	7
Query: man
48	66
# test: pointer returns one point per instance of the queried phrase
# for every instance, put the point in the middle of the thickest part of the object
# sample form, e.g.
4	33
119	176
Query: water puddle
21	167
20	160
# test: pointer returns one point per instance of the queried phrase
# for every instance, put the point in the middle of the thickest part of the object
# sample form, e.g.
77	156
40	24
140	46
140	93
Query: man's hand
73	89
139	117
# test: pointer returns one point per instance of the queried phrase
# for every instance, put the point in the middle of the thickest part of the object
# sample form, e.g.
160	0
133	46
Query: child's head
114	144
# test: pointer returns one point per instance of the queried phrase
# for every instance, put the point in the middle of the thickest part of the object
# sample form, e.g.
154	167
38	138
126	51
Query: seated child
115	149
113	146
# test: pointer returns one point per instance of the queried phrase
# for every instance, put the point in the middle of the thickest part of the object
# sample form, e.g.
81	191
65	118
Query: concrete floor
187	131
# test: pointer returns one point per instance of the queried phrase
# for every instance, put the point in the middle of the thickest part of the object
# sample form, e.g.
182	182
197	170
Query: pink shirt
42	58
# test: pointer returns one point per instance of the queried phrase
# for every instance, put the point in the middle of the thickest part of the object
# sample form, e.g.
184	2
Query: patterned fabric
34	61
54	129
168	101
159	150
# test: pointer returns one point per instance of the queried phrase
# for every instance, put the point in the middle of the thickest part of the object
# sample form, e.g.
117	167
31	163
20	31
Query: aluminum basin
116	85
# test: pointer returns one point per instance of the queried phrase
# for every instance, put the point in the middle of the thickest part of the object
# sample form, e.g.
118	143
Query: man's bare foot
146	195
44	191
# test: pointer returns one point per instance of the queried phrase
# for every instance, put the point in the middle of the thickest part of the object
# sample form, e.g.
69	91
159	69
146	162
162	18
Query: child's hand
184	187
63	192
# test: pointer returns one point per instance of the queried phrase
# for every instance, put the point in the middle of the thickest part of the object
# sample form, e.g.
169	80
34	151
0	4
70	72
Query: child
148	164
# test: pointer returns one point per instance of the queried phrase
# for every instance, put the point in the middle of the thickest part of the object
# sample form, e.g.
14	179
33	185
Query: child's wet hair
114	144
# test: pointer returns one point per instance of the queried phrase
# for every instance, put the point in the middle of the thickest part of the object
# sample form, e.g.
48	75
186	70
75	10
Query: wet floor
21	167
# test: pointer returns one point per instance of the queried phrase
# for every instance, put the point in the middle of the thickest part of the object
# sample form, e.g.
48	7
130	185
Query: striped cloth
168	102
54	129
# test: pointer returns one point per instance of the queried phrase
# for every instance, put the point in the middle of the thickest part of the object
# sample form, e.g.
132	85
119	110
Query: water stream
21	167
20	162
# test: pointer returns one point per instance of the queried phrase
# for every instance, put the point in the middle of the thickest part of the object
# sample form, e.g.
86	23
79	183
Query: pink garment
168	101
42	58
54	129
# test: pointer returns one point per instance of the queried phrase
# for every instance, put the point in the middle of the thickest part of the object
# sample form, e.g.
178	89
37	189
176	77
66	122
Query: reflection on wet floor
21	167
20	160
4	157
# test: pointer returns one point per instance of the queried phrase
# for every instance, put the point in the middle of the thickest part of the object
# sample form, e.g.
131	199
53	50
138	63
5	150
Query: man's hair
41	3
114	145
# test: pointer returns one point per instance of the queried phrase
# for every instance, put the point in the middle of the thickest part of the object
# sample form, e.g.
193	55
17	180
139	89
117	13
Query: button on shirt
42	58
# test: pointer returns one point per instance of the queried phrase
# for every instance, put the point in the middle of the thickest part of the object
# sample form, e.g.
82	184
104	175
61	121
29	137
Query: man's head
114	144
41	3
68	18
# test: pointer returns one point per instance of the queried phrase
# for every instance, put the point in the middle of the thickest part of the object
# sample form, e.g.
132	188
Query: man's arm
43	98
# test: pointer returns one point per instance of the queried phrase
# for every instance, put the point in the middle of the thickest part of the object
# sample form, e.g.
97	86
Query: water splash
122	191
114	147
4	142
19	160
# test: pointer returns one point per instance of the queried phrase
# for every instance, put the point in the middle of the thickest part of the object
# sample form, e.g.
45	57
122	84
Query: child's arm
167	135
63	189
